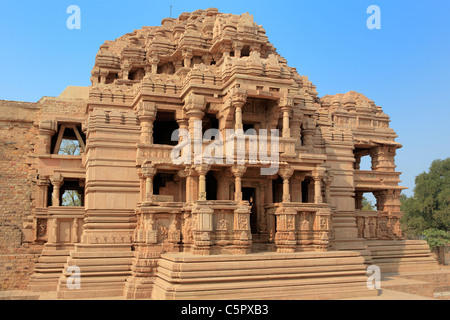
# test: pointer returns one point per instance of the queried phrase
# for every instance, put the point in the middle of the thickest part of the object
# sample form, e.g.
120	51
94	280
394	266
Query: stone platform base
308	275
400	256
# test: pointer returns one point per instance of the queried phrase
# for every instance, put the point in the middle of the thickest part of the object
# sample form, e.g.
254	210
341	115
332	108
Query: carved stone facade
219	71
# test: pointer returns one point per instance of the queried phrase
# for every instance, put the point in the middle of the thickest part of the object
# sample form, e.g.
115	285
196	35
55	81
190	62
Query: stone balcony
223	226
49	163
163	153
59	225
376	180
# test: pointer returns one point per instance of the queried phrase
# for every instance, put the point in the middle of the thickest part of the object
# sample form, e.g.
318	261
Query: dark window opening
245	52
210	121
301	135
305	191
232	54
163	128
196	60
277	190
249	194
211	186
136	74
166	68
162	184
50	195
247	127
111	78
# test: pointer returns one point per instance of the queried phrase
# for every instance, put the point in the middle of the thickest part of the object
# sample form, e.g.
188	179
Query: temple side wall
18	137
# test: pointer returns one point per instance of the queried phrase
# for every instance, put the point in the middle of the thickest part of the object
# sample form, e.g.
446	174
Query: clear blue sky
404	67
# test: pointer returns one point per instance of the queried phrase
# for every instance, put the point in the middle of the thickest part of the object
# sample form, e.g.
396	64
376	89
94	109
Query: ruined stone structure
138	208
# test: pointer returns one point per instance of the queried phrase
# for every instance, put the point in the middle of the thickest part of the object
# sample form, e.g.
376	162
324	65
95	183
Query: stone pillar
238	116
146	113
285	238
202	229
238	49
202	171
241	228
191	183
154	61
358	200
47	128
187	58
357	163
183	124
148	172
194	106
57	181
383	158
238	171
318	186
42	198
381	197
238	99
317	190
286	174
309	128
286	105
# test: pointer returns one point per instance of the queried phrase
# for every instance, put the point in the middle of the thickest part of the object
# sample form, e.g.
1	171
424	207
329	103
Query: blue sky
404	67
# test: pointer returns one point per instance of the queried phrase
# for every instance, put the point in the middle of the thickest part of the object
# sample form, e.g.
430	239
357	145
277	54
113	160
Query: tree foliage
71	198
69	147
429	207
436	238
367	205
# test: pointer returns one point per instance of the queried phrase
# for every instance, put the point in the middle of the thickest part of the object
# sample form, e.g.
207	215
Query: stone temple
146	226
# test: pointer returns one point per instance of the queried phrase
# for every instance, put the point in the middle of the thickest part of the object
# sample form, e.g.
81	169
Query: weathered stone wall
18	137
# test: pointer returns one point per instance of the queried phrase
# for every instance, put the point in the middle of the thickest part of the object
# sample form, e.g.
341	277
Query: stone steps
103	271
401	255
48	269
306	275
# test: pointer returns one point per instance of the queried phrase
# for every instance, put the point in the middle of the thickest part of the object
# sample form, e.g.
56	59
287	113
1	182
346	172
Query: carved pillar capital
238	170
194	102
148	169
286	172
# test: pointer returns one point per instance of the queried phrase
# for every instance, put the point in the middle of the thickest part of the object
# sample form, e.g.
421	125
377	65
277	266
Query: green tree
429	208
69	147
367	205
71	198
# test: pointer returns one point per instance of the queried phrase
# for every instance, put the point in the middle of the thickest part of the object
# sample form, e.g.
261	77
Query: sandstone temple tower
141	215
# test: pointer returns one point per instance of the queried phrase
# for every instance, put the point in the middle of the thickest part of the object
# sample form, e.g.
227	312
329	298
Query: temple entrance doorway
249	194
